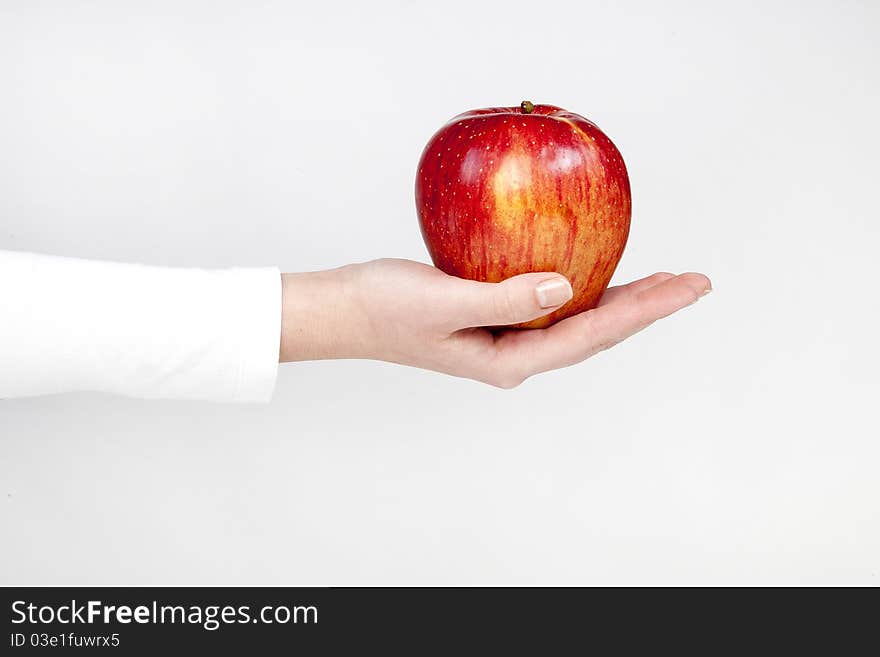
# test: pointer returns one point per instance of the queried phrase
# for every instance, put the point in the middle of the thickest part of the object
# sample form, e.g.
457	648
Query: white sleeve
70	325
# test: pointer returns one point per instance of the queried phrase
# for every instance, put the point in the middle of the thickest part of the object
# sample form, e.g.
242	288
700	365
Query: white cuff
68	324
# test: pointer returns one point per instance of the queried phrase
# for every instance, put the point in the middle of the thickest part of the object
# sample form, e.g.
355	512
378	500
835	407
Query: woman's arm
71	325
68	325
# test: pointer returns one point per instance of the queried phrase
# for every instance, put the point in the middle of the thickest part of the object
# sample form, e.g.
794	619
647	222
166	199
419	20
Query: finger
624	291
518	299
577	338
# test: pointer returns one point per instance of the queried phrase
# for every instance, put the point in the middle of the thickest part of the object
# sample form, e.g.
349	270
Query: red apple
508	190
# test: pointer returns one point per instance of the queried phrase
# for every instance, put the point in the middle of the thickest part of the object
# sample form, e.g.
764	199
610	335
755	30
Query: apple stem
527	107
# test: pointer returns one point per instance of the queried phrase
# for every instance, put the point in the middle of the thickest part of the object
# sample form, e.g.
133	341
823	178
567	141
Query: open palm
413	314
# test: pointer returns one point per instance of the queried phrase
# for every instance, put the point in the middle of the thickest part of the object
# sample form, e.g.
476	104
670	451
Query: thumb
518	299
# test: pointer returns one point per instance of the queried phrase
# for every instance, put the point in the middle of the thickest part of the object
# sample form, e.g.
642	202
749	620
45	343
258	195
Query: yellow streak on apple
534	228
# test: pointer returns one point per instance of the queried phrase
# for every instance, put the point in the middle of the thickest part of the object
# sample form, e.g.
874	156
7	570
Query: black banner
127	621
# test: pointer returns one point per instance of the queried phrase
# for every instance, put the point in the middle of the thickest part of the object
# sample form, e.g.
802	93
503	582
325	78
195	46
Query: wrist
319	316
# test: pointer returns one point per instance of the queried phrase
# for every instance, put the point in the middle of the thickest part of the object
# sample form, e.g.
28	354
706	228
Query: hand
413	314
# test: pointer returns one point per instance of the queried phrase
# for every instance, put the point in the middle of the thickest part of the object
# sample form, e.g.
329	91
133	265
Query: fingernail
553	292
706	291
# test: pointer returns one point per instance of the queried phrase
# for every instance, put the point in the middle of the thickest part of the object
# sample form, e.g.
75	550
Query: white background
734	443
